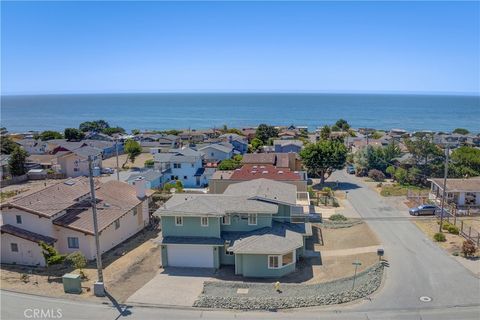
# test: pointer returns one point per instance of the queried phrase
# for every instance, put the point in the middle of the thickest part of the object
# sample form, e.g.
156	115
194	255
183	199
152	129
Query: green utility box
72	283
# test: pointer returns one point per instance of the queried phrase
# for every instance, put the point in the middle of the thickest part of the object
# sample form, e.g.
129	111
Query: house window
252	219
193	165
172	178
73	242
135	211
212	154
228	253
117	224
273	262
177	165
204	221
226	220
179	221
287	259
75	169
14	247
19	219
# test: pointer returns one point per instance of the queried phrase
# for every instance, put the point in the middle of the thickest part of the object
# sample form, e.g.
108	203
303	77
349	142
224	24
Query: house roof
68	145
86	151
213	205
265	189
459	185
287	142
218	146
192	240
178	155
278	239
25	234
45	159
149	175
267	158
115	199
267	171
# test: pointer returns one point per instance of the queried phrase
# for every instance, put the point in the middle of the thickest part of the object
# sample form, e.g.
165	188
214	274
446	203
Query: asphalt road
417	267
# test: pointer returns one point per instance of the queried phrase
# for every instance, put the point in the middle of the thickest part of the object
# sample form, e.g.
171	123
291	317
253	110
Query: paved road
16	306
418	267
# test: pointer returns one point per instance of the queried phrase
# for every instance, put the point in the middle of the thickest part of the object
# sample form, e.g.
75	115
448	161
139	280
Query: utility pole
116	151
444	193
98	287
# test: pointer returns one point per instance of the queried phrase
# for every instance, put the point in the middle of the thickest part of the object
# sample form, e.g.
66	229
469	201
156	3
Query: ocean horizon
161	111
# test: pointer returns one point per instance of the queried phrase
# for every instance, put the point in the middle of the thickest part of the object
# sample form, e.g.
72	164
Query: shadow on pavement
123	309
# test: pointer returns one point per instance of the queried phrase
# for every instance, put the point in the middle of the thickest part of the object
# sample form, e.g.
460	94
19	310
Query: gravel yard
263	296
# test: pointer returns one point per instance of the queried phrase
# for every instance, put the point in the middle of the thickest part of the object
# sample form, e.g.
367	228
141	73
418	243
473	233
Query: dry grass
139	161
346	238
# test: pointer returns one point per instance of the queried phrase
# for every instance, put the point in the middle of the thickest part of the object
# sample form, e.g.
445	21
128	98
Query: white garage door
190	256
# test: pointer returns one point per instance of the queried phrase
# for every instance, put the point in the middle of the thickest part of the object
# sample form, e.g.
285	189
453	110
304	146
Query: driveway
173	287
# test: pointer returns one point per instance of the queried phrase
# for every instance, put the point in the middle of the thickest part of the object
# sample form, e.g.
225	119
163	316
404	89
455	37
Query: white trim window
204	221
18	219
178	221
273	262
226	220
117	224
14	247
252	219
73	243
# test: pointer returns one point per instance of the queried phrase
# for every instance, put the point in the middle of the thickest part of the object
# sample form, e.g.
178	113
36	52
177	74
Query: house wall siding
191	227
30	222
256	265
239	222
29	252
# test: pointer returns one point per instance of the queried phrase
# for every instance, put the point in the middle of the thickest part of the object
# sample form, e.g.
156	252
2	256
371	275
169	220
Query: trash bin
72	283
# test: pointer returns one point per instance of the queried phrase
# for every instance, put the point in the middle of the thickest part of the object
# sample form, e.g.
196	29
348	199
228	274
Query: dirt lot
139	161
126	268
346	238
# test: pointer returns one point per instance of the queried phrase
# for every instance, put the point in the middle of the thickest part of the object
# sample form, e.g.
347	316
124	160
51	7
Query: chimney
139	184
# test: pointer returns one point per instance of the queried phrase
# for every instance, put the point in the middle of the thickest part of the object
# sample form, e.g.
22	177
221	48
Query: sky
82	47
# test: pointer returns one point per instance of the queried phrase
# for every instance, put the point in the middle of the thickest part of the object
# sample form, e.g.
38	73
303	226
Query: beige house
61	215
462	192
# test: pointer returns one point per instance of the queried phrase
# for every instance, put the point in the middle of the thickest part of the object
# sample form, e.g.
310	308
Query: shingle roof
460	185
267	158
213	205
25	234
218	146
265	189
287	142
85	152
192	240
280	238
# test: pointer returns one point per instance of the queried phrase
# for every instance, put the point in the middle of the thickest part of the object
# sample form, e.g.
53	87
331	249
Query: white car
107	171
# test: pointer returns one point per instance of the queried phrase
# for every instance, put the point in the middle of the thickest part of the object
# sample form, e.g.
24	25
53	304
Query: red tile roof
250	172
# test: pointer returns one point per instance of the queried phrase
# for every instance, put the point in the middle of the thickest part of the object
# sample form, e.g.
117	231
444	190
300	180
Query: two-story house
287	145
240	143
61	215
185	165
216	152
255	226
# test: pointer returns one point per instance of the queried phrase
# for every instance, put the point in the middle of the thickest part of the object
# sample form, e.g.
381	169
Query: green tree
72	134
325	133
256	144
7	145
265	132
229	164
135	132
98	126
16	163
149	163
78	261
113	130
51	255
461	131
390	171
342	124
132	149
465	161
324	157
401	175
50	135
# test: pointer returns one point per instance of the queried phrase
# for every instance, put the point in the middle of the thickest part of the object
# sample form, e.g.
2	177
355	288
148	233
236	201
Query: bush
453	229
376	175
338	217
468	248
439	237
149	163
446	225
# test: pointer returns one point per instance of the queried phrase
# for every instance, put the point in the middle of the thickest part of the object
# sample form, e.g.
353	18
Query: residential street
417	266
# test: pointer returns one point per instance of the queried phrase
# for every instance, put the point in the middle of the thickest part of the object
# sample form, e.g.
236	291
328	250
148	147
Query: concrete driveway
173	287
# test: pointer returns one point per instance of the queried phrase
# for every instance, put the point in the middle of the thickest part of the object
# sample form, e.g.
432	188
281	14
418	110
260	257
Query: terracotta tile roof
250	171
25	234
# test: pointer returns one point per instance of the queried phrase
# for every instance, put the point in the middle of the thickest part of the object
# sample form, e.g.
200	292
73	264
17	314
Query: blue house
154	179
255	226
185	165
216	152
108	147
287	145
240	143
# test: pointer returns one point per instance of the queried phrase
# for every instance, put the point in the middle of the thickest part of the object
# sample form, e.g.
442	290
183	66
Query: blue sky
272	46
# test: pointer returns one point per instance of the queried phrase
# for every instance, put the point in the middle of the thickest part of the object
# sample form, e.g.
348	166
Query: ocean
207	110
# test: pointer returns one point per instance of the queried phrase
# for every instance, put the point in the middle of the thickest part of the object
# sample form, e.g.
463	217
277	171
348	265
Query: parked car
107	171
350	169
426	209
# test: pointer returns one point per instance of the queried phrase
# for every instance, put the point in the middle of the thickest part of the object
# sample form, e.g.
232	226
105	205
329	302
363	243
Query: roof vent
255	167
106	205
280	172
254	171
264	172
262	167
69	183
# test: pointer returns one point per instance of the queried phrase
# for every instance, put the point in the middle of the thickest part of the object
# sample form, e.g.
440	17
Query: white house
61	215
217	151
185	165
75	163
462	192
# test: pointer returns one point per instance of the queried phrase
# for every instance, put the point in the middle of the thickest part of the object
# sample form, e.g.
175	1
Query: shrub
76	259
376	175
379	185
338	217
149	163
453	229
446	225
468	248
439	237
327	191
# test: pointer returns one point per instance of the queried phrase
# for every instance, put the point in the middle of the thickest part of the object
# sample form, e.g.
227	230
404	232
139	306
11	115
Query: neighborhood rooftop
459	185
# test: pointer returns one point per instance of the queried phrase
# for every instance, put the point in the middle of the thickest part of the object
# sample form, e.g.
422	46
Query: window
185	177
228	253
204	221
14	247
19	219
226	220
177	165
273	262
179	221
172	178
193	165
212	154
252	219
73	242
75	169
117	224
135	211
287	258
